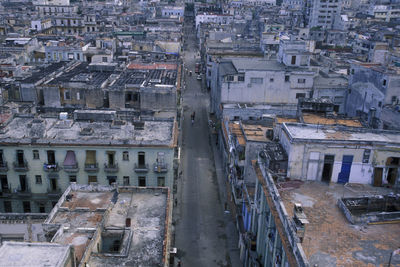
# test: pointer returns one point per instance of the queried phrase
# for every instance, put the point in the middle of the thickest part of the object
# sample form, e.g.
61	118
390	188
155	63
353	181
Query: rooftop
339	133
33	254
28	130
91	218
330	240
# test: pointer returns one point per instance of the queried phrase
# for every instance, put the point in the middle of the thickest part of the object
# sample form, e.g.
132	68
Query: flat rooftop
256	132
28	130
330	240
33	254
318	119
148	212
87	214
321	133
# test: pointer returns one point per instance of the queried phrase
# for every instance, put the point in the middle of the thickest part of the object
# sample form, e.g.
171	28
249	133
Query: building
299	224
41	156
93	225
372	87
323	13
340	154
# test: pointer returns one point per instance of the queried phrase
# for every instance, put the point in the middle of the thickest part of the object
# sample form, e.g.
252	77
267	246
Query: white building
340	154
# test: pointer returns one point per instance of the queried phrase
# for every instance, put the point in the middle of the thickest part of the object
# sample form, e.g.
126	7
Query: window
241	78
38	179
384	82
300	95
142	181
293	60
7	206
160	181
230	78
42	208
301	80
35	154
111	179
125	155
367	153
67	95
141	159
271	80
78	96
126	180
72	178
287	78
104	59
256	80
92	179
352	71
380	104
26	206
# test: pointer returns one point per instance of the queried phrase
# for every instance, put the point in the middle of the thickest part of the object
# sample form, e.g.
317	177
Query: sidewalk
232	236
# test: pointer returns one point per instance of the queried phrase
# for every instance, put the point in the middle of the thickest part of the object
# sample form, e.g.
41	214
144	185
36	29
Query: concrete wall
273	90
158	98
51	97
116	99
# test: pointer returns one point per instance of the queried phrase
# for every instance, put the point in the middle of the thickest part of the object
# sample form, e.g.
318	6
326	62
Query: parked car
199	77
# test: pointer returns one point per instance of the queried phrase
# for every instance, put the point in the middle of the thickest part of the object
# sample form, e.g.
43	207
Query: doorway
344	174
313	166
378	176
51	159
53	184
328	167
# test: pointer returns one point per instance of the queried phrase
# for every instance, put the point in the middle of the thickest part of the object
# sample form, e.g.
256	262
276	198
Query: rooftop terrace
330	240
109	226
28	130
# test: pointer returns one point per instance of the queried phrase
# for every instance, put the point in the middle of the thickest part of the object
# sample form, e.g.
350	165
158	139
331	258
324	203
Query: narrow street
200	234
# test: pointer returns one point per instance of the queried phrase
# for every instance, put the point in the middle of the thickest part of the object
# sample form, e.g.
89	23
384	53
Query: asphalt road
200	234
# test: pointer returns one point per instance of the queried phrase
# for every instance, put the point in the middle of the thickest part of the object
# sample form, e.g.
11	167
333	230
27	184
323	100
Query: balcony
51	167
54	193
160	167
110	167
21	166
71	168
3	167
24	192
92	167
141	167
5	192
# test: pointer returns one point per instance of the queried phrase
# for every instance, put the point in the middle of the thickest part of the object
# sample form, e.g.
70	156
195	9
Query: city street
200	228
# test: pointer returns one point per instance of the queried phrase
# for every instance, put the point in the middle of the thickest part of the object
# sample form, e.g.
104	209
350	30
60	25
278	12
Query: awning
70	158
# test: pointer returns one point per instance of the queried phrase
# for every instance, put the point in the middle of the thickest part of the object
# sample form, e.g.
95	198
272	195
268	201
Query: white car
199	77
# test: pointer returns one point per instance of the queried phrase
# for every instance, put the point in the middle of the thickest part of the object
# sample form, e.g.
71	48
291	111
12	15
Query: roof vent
86	131
139	125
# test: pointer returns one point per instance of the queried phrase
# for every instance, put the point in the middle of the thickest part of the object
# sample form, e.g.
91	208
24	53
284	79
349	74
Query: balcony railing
3	166
111	167
160	167
21	166
24	192
71	168
51	167
54	192
141	167
92	167
5	192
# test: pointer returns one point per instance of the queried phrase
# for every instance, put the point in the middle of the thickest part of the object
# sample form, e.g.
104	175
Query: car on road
198	77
